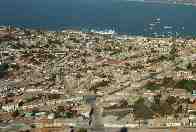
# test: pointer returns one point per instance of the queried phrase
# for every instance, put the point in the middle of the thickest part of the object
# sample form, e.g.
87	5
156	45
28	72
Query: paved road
130	130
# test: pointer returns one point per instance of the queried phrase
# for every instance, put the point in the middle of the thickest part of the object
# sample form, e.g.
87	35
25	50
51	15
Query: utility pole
95	122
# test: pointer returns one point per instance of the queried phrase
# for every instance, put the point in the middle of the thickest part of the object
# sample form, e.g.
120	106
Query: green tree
141	111
186	84
166	109
152	86
171	100
173	51
15	114
82	130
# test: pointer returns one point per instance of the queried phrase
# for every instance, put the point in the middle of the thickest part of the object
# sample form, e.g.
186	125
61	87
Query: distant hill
193	2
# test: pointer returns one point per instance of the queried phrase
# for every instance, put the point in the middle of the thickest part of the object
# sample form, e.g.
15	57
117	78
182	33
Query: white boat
158	19
105	32
158	22
167	27
152	24
183	28
151	28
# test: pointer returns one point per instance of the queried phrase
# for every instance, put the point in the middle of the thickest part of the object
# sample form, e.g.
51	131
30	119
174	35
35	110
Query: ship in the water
105	32
167	27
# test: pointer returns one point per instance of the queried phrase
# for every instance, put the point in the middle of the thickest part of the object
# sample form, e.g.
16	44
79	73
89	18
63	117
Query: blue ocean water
125	17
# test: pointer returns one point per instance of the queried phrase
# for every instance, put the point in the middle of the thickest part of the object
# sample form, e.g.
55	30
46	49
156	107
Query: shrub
82	130
186	84
152	86
4	67
3	70
15	114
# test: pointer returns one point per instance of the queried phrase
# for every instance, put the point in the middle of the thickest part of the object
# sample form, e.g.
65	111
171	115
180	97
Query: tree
171	100
60	108
21	103
3	70
35	110
166	109
82	130
173	52
168	82
54	96
189	67
124	129
152	86
15	114
186	84
141	111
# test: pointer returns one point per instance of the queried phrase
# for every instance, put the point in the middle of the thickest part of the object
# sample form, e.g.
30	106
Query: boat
105	32
152	24
158	19
150	28
167	27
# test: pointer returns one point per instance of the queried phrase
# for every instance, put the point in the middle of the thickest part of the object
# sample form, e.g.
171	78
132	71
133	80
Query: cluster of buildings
48	77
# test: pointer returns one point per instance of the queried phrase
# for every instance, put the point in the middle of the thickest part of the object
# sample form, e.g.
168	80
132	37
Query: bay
125	17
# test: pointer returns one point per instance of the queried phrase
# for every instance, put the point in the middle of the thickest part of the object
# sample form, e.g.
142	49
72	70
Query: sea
130	17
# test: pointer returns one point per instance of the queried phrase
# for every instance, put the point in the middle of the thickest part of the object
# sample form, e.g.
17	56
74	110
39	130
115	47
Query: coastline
98	32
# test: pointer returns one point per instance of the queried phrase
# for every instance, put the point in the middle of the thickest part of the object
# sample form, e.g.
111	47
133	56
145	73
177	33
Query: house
155	123
192	117
150	95
181	93
173	124
194	93
10	108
